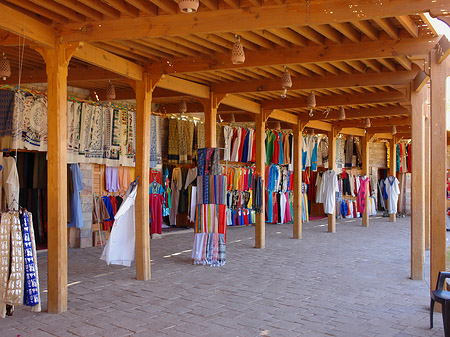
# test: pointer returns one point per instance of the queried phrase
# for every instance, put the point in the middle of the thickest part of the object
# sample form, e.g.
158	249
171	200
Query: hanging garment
236	144
153	142
270	138
361	198
14	290
11	185
348	152
112	179
76	213
173	152
314	155
393	191
330	187
120	248
176	186
228	135
250	145
156	199
6	118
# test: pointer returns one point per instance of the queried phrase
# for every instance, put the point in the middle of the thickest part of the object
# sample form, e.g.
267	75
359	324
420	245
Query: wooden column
417	184
427	174
57	61
392	169
365	171
210	106
298	128
260	131
438	167
143	91
332	165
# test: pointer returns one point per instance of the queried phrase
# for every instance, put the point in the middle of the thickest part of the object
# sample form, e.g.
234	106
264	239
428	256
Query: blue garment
31	295
270	207
241	218
273	176
280	143
245	147
397	158
314	158
109	208
304	155
76	214
344	208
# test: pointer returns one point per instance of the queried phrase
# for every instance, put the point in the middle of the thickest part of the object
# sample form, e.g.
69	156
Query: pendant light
367	124
5	68
393	129
182	108
188	6
286	82
110	92
237	54
311	102
341	113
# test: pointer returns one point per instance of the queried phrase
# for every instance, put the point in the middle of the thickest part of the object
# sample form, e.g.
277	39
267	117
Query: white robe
228	136
330	187
393	192
120	248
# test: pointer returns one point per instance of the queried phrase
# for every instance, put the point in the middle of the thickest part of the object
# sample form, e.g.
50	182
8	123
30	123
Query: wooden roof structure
353	54
370	57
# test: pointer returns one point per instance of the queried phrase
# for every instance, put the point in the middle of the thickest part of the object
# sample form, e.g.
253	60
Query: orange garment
124	178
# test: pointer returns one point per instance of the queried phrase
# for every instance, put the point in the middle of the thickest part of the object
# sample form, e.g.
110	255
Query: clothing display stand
210	220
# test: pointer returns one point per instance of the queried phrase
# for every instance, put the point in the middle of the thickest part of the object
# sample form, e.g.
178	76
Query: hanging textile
361	198
76	213
156	199
330	187
153	142
120	248
392	191
6	118
10	183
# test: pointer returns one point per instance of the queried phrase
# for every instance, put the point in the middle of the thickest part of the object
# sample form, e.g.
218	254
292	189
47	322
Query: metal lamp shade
286	80
182	108
110	92
341	113
311	102
237	54
5	68
367	124
188	6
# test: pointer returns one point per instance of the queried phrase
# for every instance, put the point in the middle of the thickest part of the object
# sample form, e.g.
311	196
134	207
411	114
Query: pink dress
361	198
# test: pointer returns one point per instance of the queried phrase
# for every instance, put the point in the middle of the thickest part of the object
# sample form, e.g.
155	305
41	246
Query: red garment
291	181
241	146
245	179
408	159
245	212
275	207
155	176
156	202
361	197
276	149
288	216
253	149
223	220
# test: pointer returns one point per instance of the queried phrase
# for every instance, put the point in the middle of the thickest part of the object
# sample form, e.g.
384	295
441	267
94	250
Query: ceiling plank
409	25
100	6
183	86
60	9
265	17
337	100
15	22
81	8
319	82
329	32
347	30
167	6
40	10
103	59
299	55
366	28
310	34
388	27
366	112
241	103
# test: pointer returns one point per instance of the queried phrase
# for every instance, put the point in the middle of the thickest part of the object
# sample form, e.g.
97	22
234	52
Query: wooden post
365	171
57	61
427	174
393	169
438	167
418	184
260	132
332	165
298	200
143	91
210	106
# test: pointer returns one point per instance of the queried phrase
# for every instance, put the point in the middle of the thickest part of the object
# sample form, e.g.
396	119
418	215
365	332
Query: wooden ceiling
362	55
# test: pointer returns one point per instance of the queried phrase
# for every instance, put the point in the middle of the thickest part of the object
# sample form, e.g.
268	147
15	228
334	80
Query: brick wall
377	155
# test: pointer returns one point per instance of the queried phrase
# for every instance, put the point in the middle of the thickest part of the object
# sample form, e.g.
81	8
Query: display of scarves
115	134
21	102
190	141
107	131
173	152
35	125
153	142
6	118
96	134
31	294
85	130
200	135
182	146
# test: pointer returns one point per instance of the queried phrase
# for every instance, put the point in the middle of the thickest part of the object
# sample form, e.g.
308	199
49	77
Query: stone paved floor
352	283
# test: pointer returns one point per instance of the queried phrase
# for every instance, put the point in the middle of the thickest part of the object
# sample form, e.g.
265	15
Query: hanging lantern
188	6
182	108
5	68
286	82
393	129
237	54
341	113
311	102
311	113
367	124
110	92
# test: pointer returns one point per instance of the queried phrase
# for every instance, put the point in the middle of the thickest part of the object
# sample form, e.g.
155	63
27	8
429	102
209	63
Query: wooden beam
260	132
250	19
365	112
144	90
381	135
420	80
183	86
442	49
418	101
353	131
337	100
438	74
300	55
382	122
241	103
388	27
366	171
283	116
57	61
319	125
298	200
409	25
20	24
106	60
210	106
318	82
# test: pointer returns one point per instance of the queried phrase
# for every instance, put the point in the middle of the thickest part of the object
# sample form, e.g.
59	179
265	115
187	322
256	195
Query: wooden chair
441	296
